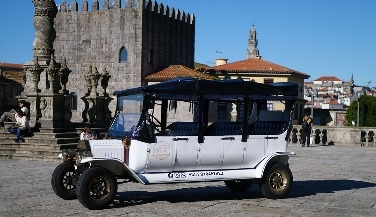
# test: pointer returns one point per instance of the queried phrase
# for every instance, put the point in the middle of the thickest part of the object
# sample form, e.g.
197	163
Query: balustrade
327	135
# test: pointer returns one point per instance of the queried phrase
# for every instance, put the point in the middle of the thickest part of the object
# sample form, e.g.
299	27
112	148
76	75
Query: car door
161	155
210	153
186	152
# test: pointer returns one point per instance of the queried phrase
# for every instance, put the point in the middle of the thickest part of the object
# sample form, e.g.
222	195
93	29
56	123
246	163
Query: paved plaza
328	181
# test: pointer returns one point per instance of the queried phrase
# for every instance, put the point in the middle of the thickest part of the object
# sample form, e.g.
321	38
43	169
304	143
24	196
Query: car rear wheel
277	182
239	185
63	179
96	188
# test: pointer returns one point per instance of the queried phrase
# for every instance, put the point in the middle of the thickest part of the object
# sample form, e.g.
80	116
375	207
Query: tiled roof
11	66
11	72
328	78
257	65
177	71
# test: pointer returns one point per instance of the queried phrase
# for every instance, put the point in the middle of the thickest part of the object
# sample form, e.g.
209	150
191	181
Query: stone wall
153	35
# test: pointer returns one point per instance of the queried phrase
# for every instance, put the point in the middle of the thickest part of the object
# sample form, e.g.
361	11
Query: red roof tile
11	66
256	65
328	78
177	71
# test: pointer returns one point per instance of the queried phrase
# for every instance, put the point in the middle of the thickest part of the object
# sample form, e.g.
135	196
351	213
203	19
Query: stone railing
325	135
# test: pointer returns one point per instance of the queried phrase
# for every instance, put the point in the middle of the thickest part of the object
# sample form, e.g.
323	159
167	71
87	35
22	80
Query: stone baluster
291	136
374	138
234	112
298	135
367	137
313	135
321	136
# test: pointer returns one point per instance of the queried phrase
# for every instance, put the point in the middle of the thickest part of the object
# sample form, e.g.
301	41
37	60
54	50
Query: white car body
225	133
186	160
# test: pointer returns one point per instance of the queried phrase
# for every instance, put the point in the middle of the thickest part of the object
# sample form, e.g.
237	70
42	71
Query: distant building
256	69
329	96
10	85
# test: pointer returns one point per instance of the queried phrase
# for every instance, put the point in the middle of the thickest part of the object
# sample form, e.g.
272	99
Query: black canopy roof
191	88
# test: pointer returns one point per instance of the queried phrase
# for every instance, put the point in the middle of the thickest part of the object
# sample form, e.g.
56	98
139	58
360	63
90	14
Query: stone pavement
328	181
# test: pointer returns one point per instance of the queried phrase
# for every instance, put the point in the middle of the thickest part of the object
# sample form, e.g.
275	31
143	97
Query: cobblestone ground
328	181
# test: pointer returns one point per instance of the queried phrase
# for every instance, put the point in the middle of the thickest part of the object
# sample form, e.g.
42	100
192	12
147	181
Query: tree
367	112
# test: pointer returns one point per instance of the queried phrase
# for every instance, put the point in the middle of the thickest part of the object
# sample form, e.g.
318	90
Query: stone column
45	13
44	79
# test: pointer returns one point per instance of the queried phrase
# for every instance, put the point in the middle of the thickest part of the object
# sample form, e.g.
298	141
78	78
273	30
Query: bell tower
252	51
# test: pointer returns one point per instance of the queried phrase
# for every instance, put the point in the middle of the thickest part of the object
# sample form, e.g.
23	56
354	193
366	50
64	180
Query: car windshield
129	110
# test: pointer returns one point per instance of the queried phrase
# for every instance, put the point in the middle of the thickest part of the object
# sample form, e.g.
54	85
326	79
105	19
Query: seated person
12	115
87	134
22	126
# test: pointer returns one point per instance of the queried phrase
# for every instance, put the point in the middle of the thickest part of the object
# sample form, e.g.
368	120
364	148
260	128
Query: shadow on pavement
313	187
213	193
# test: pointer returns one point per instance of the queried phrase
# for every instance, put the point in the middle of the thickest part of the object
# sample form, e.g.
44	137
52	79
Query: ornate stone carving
64	74
44	15
88	80
104	82
35	71
52	72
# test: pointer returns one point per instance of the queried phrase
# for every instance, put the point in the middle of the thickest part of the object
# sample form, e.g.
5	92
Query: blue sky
316	37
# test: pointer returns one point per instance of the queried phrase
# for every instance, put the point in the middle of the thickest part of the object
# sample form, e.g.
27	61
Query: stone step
38	152
32	157
7	151
50	140
42	135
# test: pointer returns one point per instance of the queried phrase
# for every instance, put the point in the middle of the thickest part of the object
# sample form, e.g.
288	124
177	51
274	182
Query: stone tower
124	39
252	51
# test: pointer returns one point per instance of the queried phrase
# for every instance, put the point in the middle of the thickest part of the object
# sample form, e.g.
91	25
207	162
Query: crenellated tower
129	39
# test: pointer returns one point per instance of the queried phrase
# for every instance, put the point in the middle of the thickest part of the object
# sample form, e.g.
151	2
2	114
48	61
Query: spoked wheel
96	188
239	185
63	179
277	182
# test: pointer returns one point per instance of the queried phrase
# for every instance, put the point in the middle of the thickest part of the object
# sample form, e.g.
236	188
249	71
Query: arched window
151	56
123	56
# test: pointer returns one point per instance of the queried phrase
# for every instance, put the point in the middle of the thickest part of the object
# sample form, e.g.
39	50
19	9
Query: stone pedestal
96	110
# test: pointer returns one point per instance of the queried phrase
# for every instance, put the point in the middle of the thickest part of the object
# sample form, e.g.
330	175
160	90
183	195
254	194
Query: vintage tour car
186	130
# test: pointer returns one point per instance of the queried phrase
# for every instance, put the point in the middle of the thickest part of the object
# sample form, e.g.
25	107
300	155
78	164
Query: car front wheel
277	182
96	188
62	181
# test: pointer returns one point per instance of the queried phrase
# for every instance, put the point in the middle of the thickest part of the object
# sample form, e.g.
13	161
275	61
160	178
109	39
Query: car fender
116	166
276	157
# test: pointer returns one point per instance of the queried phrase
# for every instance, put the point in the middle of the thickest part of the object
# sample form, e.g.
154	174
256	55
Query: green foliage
367	112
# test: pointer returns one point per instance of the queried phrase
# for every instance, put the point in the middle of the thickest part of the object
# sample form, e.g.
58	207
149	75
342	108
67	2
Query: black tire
277	182
239	185
96	188
62	181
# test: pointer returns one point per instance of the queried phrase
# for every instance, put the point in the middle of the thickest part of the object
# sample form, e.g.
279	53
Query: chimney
219	62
